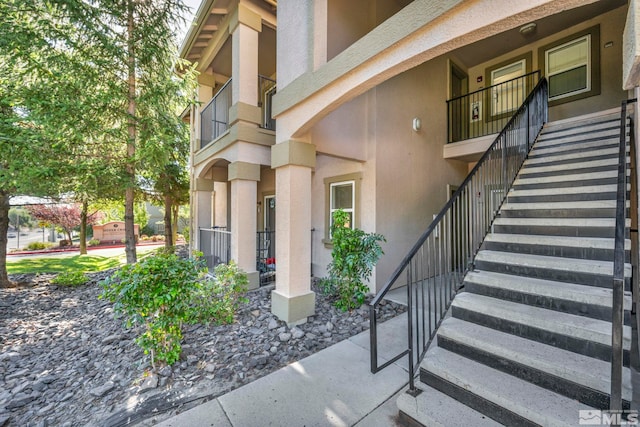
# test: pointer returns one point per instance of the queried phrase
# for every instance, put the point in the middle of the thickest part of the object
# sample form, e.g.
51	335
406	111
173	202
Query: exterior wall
411	175
349	20
327	167
611	94
404	178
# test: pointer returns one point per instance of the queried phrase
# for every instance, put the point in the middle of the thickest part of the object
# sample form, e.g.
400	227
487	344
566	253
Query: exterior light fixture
528	29
417	124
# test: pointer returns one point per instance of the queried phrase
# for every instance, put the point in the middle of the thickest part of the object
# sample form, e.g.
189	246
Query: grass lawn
85	263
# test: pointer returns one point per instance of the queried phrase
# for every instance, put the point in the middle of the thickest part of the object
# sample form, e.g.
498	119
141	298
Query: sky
193	5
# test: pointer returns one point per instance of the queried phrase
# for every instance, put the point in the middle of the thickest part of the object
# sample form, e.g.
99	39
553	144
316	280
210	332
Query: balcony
486	111
214	118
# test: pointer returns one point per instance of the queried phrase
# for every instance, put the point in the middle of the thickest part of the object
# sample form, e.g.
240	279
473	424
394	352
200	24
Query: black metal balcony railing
214	118
266	256
487	111
215	245
266	90
434	268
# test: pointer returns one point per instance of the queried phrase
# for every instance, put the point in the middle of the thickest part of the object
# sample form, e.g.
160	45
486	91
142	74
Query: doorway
458	109
270	225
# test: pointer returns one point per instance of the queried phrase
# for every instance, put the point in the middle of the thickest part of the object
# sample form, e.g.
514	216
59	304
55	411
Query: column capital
245	112
203	184
246	16
244	170
293	152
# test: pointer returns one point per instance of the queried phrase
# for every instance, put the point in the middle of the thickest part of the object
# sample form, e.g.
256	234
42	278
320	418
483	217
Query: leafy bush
71	278
93	242
354	255
37	246
163	291
218	298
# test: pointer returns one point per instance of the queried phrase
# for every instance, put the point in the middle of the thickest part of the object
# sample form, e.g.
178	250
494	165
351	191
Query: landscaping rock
66	361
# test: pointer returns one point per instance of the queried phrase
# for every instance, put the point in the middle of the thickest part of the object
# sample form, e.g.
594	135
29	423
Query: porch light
417	124
528	29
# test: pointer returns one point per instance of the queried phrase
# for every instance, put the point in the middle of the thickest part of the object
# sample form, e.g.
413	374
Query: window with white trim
568	68
342	196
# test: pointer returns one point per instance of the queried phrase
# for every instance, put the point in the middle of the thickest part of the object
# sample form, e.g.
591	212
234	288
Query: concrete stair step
570	270
593	178
570	374
505	398
577	227
549	139
571	168
572	157
562	209
561	149
577	125
557	246
435	409
578	334
565	297
574	125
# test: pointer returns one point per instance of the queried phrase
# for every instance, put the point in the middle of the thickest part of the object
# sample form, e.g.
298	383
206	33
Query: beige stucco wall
411	176
344	132
612	94
404	177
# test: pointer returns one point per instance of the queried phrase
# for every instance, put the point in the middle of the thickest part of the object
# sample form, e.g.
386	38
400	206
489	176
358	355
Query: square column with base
292	300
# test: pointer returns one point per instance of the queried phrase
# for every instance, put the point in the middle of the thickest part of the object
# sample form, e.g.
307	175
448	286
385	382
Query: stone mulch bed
65	361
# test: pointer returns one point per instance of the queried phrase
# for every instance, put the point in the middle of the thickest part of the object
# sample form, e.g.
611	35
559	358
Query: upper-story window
572	66
568	68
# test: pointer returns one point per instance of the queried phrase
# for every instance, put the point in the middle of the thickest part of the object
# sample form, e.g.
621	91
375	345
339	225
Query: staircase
528	340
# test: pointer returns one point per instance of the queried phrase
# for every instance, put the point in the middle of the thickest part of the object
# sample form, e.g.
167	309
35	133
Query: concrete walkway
333	387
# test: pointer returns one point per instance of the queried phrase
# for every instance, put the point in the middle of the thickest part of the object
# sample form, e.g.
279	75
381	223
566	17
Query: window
342	192
568	69
342	197
572	66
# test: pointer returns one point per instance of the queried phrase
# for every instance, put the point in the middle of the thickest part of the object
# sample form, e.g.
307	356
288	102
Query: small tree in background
66	217
354	255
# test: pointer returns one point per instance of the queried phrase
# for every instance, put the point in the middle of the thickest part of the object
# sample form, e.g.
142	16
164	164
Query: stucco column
292	300
244	179
244	28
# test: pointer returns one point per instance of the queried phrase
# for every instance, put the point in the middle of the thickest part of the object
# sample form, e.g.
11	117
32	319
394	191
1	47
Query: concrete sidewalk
333	387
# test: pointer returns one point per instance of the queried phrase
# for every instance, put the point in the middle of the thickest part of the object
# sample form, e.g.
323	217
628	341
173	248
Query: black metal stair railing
434	268
615	403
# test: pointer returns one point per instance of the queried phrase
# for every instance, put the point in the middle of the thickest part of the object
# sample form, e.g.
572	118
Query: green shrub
163	291
38	246
93	242
70	278
218	298
354	255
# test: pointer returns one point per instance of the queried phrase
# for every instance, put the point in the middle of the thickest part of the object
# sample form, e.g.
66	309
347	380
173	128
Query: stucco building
382	109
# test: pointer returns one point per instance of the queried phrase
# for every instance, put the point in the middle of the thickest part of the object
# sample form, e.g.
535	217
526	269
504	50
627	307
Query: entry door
507	94
270	223
458	109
